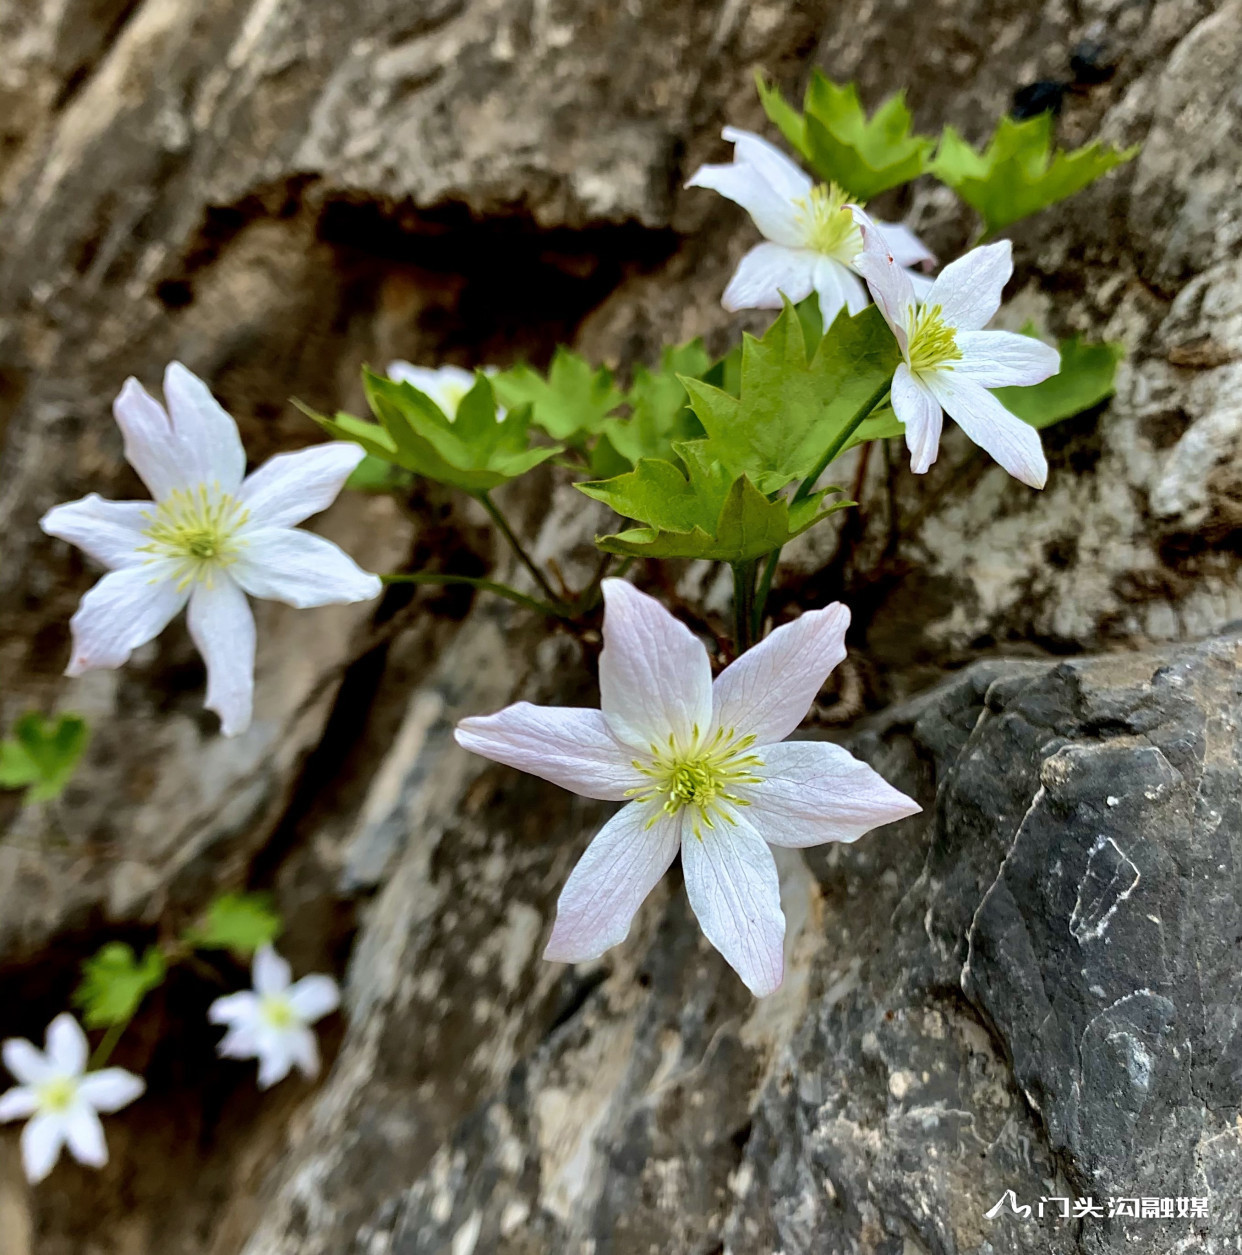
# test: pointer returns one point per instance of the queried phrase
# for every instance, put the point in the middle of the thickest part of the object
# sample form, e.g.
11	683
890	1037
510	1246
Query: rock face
276	191
1032	987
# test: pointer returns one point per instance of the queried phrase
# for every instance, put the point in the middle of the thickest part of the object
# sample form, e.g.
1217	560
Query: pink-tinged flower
950	362
60	1099
702	771
811	240
272	1022
209	538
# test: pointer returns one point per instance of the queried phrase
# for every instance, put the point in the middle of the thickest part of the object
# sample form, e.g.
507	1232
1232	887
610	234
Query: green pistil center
197	528
277	1011
57	1094
702	778
932	342
827	226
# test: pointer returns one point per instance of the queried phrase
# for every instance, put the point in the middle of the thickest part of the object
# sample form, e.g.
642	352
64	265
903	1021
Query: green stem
485	586
103	1052
508	533
805	489
743	605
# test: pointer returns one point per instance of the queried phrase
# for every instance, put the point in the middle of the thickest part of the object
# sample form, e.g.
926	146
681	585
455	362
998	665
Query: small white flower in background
272	1022
950	362
701	769
811	237
447	386
61	1099
209	538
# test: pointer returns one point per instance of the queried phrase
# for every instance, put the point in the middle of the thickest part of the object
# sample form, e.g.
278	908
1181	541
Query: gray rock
1033	987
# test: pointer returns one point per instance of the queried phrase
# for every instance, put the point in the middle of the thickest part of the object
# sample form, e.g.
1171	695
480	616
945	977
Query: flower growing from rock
811	239
208	539
272	1022
702	770
60	1099
447	386
950	362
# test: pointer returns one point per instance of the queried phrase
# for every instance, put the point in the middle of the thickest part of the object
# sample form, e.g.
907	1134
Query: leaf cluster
720	496
1017	173
42	754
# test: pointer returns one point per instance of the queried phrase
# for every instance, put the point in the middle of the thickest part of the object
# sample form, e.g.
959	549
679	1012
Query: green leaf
660	415
473	451
702	513
1088	376
240	922
570	403
1020	171
793	404
377	475
865	156
42	754
114	983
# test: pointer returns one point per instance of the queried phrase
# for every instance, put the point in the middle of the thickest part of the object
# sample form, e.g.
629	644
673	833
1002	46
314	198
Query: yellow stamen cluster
701	777
57	1094
197	528
827	225
932	342
277	1011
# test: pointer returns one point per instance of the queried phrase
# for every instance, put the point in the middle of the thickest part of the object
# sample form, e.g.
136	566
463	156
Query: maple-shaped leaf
115	981
1020	171
239	922
865	156
570	402
42	754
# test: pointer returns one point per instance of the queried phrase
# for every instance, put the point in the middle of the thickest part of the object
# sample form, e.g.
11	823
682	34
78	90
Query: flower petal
768	690
919	410
748	185
784	174
569	746
42	1139
766	273
222	627
238	1008
67	1047
968	290
1013	443
303	1051
815	791
270	972
734	890
313	997
240	1042
204	429
300	569
620	867
999	359
906	247
111	532
18	1103
127	608
292	486
655	679
151	445
275	1061
85	1136
110	1089
838	288
26	1062
890	285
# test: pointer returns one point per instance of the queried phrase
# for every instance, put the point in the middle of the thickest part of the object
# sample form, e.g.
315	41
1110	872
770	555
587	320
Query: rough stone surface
1034	986
276	191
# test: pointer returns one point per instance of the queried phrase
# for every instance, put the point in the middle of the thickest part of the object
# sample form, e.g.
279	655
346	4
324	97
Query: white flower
701	769
950	362
208	539
61	1099
271	1023
811	238
447	386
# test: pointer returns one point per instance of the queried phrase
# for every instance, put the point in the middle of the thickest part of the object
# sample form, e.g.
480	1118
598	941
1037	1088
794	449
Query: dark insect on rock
1092	62
1045	96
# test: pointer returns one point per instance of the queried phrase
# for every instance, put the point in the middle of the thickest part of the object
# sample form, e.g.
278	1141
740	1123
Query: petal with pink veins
968	290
